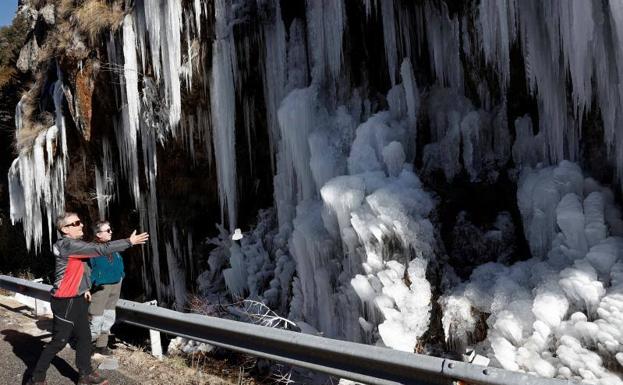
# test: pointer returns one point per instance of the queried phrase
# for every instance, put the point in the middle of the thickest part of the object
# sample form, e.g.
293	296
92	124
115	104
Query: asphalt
22	337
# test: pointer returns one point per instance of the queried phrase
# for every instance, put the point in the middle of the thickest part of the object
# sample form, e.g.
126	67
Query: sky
7	11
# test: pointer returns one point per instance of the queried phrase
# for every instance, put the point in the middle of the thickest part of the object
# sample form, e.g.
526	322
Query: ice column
223	103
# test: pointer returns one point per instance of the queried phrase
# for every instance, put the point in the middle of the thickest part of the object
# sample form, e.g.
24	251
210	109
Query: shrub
12	39
96	16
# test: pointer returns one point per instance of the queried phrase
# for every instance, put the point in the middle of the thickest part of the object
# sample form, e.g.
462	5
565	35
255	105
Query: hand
138	239
87	296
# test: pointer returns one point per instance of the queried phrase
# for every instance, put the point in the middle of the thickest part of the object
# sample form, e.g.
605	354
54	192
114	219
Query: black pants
70	314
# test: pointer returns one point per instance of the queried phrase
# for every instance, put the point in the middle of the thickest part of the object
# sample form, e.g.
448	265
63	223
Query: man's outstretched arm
92	249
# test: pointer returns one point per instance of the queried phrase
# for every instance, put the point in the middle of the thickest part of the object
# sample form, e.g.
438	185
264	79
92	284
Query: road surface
22	338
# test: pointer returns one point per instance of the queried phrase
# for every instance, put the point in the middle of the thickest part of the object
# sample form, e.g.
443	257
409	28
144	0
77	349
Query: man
70	296
106	275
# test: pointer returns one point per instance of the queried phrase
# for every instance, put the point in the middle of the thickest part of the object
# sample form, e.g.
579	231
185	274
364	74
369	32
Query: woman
106	276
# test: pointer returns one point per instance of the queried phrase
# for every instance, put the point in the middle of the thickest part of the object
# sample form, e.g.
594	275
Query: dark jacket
106	269
71	273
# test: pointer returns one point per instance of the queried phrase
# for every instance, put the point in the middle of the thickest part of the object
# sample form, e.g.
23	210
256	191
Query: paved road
22	338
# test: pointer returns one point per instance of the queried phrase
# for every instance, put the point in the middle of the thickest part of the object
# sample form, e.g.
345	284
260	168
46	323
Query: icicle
186	70
325	22
141	31
444	45
32	176
223	102
248	108
577	35
58	172
405	29
127	137
274	66
130	72
496	28
197	11
175	265
16	194
172	60
297	57
412	97
104	181
37	178
389	35
369	6
296	121
545	76
153	12
52	177
18	114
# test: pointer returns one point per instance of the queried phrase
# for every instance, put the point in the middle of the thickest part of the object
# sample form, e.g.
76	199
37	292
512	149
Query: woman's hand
87	296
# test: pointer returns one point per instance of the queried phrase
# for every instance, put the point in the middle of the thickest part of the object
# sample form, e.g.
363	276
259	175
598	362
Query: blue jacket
106	269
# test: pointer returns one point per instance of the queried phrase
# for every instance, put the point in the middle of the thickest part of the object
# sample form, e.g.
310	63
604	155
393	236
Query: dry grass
179	370
96	16
7	74
64	8
75	21
32	122
63	41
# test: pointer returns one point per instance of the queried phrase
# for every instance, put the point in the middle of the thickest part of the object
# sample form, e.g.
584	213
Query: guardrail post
154	337
38	280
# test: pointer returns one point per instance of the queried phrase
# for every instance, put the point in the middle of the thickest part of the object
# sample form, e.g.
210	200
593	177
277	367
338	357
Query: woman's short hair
97	226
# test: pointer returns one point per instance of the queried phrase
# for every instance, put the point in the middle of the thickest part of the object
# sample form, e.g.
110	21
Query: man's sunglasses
109	231
73	224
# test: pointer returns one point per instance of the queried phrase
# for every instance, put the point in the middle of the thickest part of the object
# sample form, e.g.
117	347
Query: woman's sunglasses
109	231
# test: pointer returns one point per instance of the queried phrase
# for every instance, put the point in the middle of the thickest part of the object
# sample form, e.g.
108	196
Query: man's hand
138	239
87	296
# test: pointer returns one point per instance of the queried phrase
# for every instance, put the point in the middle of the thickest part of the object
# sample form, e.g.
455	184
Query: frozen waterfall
367	107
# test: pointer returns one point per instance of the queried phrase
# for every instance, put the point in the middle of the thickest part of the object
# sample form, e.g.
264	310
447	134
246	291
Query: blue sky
7	11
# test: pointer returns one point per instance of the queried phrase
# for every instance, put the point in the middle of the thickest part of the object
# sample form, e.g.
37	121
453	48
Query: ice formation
465	138
348	250
571	285
37	177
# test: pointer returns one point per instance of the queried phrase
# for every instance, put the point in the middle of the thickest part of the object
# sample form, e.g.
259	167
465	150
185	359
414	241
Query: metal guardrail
358	362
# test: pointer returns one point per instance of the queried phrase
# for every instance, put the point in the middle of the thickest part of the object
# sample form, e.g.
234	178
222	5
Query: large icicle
37	177
223	103
389	35
326	20
497	28
443	37
172	59
275	55
128	134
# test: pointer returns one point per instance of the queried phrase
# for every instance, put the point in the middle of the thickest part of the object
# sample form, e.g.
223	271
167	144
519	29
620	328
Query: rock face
47	13
28	57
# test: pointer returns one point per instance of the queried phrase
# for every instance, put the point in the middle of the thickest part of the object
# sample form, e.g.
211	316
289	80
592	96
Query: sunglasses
73	224
109	231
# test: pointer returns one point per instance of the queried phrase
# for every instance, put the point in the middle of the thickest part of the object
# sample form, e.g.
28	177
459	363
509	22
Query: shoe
104	351
94	378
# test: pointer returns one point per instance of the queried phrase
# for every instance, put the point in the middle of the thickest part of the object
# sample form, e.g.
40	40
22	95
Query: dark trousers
70	315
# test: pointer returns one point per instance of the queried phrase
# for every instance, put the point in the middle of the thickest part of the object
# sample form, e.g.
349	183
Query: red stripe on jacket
73	276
